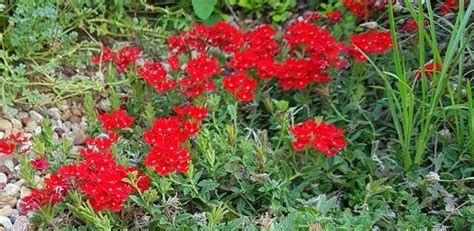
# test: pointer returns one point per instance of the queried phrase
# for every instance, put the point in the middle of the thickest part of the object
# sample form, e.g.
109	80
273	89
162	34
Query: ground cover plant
230	115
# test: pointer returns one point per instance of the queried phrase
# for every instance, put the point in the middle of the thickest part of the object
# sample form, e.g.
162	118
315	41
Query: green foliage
203	8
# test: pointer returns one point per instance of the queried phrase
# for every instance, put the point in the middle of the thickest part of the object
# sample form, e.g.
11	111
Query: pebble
63	105
75	119
24	192
31	126
14	215
35	116
5	125
66	115
9	164
7	200
16	123
21	224
76	111
78	134
55	113
3	178
10	112
5	222
11	189
6	211
105	105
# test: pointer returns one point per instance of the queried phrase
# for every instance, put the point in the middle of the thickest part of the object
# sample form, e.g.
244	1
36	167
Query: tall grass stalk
416	118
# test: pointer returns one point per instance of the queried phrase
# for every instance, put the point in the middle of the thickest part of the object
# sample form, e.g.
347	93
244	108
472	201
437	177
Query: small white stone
9	164
6	211
31	126
16	124
11	189
5	125
35	116
24	192
55	113
3	178
5	222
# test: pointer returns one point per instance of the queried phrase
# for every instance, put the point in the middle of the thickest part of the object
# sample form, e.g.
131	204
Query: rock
55	113
10	112
3	178
35	116
66	115
79	136
11	189
21	182
5	125
63	105
21	224
5	222
9	164
16	123
14	215
7	200
24	192
31	126
4	169
75	119
76	111
6	211
105	105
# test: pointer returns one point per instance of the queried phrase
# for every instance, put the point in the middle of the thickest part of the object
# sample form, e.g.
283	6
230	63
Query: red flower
322	137
40	163
6	147
173	61
199	71
312	16
115	120
299	73
105	56
15	141
373	42
103	142
225	37
430	68
155	75
334	16
196	113
364	9
409	26
125	56
240	85
165	162
448	6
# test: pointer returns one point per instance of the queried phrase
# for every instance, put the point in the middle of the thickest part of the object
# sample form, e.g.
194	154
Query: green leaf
203	8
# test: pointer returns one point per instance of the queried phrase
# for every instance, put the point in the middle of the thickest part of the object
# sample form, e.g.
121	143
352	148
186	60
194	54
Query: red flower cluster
299	73
99	177
40	163
199	72
155	75
409	26
167	136
14	142
222	35
240	85
448	6
372	42
115	120
102	143
364	9
322	137
334	16
122	58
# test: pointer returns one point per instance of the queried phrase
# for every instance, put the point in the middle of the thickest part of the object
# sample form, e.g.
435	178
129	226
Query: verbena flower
320	136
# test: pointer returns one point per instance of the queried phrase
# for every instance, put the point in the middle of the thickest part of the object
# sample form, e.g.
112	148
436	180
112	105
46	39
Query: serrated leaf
203	8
